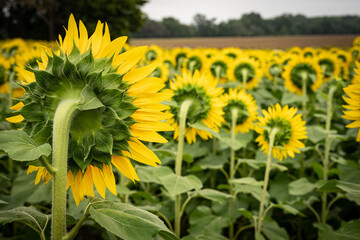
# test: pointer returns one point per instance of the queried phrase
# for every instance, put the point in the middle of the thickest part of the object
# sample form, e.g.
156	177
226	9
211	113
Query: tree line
251	24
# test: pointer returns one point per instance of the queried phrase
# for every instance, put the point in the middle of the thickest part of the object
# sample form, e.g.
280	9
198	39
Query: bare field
342	41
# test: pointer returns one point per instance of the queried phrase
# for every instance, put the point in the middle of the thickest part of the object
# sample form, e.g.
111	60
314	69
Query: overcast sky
222	10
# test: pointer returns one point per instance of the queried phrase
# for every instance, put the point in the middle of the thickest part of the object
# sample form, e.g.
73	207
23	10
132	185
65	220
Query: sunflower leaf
129	222
21	147
175	184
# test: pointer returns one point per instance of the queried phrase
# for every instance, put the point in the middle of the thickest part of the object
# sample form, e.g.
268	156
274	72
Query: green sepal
57	66
44	135
34	91
86	64
75	54
49	62
112	97
119	131
103	64
33	112
112	80
126	109
46	81
99	162
21	147
89	100
109	117
80	152
70	71
119	146
94	81
103	141
100	157
37	127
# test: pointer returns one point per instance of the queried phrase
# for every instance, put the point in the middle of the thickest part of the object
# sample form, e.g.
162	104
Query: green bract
100	126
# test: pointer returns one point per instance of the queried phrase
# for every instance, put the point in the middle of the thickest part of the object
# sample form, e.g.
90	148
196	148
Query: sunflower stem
234	115
61	127
218	72
184	108
327	152
244	73
304	77
191	67
266	178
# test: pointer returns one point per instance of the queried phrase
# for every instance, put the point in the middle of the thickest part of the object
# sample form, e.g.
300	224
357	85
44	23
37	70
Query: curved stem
314	212
234	114
242	229
47	165
61	127
327	152
266	178
184	108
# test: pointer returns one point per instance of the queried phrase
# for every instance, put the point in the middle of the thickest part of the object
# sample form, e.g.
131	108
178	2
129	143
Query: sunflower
353	101
309	52
299	68
117	107
329	64
4	68
195	61
274	68
153	53
245	67
206	107
231	52
291	128
246	108
356	78
218	66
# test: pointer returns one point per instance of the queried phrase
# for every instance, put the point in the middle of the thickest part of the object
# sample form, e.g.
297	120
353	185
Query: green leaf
245	213
201	126
21	147
258	236
241	140
316	133
288	208
249	185
212	195
24	190
301	187
26	215
128	222
149	174
349	231
352	189
289	98
273	231
3	202
89	100
212	162
175	184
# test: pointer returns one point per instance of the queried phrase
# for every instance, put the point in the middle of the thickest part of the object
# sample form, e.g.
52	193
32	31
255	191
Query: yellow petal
139	73
15	119
141	153
109	179
98	178
17	106
125	167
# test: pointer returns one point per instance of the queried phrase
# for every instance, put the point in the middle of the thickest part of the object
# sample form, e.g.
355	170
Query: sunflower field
101	140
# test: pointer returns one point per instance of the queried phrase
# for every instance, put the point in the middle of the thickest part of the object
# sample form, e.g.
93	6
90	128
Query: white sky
222	10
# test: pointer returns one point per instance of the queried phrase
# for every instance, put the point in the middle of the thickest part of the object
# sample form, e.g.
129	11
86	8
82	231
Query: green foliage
21	147
128	222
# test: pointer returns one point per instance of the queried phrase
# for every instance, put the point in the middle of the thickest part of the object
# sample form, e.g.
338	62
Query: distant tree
204	27
44	18
152	29
176	28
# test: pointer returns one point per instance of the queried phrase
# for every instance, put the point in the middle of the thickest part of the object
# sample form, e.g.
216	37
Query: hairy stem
184	108
61	127
234	114
266	178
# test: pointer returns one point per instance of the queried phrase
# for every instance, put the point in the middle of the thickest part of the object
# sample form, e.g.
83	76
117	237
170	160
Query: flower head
117	107
246	108
206	107
299	68
353	101
291	128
